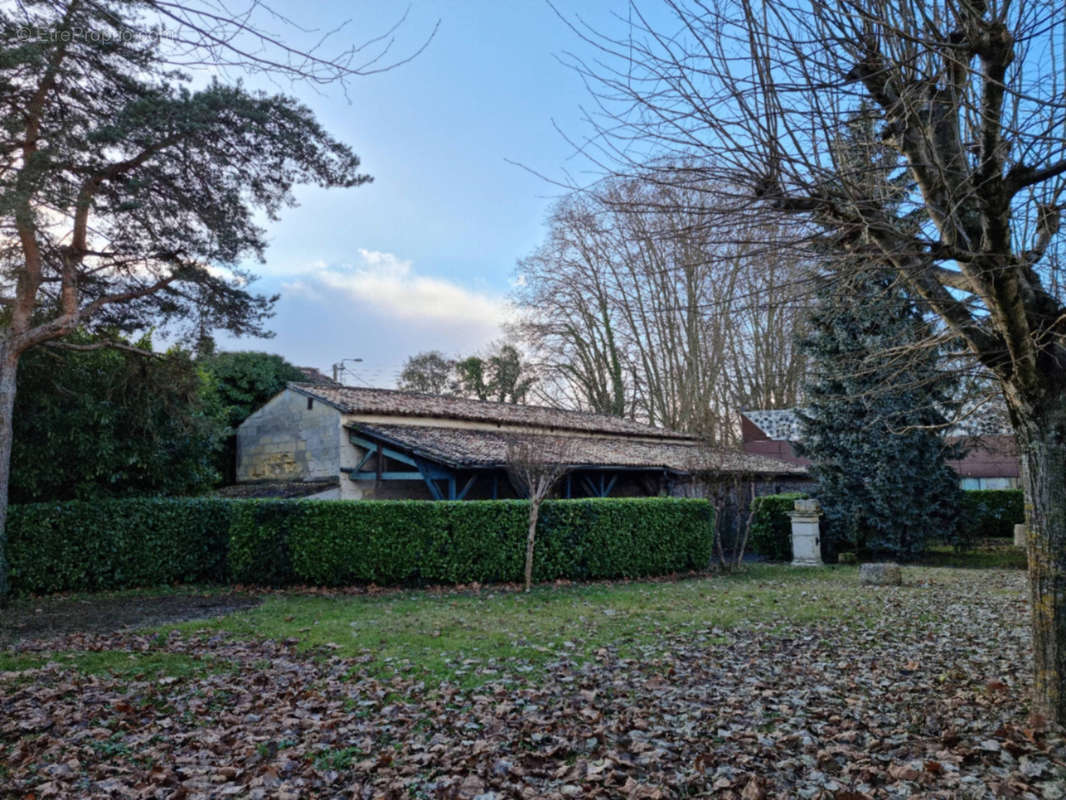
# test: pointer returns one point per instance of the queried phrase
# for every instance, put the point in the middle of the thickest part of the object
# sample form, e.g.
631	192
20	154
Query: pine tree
869	428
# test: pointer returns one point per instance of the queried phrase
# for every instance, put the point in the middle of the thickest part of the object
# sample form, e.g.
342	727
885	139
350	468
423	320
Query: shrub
117	544
991	513
81	546
333	543
771	527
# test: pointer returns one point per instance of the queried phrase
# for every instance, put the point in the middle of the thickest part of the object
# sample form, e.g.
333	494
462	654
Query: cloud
391	287
379	308
301	288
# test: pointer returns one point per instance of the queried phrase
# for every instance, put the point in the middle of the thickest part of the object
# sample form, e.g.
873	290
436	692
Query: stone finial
886	574
808	505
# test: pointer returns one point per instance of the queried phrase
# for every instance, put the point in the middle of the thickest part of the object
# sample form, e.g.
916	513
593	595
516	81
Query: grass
987	555
468	637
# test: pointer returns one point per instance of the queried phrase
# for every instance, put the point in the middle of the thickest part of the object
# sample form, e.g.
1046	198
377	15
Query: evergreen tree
245	382
92	423
131	197
501	376
875	397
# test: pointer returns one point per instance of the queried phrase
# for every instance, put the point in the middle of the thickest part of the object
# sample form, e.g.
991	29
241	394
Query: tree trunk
8	370
534	510
1042	440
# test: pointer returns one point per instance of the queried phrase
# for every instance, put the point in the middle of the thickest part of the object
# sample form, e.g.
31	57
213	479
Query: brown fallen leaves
926	701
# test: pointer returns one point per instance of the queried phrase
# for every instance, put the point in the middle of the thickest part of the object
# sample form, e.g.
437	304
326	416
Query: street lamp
338	368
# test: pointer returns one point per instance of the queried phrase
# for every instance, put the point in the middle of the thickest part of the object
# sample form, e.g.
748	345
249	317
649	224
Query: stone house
991	460
362	443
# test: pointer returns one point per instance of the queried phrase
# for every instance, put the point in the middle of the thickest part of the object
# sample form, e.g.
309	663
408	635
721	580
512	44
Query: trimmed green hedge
117	544
771	527
991	513
126	543
416	542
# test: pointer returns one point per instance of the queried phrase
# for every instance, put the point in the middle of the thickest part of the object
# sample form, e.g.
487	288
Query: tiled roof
465	447
313	376
989	419
351	400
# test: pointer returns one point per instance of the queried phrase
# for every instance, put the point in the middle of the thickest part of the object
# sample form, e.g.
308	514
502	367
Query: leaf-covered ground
917	691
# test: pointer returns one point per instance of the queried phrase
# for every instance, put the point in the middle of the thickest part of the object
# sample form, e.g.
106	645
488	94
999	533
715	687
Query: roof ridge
407	393
607	423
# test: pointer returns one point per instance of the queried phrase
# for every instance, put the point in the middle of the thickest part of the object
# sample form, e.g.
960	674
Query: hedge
115	544
771	527
416	542
985	513
988	513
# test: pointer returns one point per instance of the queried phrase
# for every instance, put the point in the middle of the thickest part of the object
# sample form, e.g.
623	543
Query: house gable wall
285	440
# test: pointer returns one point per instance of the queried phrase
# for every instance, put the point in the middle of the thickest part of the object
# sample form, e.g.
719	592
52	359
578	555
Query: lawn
466	637
774	682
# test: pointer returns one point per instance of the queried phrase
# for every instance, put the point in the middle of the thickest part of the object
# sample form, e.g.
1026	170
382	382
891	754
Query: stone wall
286	440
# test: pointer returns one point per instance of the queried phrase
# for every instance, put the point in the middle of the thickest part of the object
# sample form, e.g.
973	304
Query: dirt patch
55	616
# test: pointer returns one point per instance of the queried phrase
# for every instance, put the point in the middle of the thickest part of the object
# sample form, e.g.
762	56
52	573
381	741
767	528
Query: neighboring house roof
391	402
779	424
989	419
316	378
465	448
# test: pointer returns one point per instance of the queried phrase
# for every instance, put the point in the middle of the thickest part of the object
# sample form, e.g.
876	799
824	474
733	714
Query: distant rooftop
316	378
989	419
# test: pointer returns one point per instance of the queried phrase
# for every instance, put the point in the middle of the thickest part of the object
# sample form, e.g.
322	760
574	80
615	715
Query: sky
424	257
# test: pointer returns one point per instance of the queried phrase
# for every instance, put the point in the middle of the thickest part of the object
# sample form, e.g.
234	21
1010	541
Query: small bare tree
730	491
535	464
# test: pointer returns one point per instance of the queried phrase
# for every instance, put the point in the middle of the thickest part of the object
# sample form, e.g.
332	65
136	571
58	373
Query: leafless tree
635	311
535	464
430	372
971	96
730	492
570	319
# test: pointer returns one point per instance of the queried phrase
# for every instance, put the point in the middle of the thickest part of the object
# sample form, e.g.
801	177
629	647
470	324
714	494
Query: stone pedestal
806	537
1019	535
887	574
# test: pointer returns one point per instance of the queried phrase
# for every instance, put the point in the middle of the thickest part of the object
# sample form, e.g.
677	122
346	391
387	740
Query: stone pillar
806	538
1019	535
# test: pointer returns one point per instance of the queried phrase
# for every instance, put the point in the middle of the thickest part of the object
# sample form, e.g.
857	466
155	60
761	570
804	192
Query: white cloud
380	309
290	269
301	288
391	287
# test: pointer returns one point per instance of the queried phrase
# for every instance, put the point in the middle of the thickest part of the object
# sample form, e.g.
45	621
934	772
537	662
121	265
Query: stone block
885	574
1019	535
